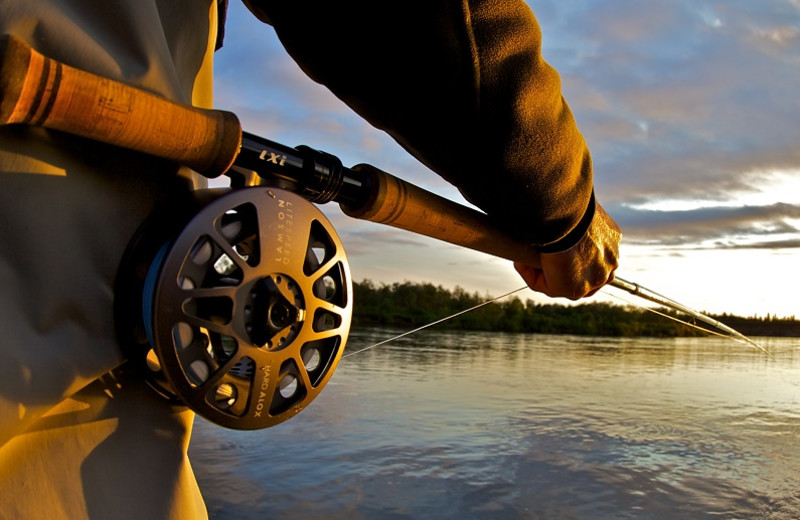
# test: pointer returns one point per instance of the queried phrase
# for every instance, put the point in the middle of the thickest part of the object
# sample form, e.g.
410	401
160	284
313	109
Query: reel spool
237	303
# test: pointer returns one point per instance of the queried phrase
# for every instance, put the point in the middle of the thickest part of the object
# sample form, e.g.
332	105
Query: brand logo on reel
266	370
285	226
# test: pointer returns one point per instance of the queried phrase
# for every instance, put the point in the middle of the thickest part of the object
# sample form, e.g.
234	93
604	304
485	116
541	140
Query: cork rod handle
397	203
37	90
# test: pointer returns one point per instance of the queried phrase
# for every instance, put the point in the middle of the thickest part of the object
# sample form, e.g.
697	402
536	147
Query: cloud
777	244
676	97
253	71
362	237
732	227
256	79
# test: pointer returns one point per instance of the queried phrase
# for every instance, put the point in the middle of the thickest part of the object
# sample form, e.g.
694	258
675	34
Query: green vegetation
409	305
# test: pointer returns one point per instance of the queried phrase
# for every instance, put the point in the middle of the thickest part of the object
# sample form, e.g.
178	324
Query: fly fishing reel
236	303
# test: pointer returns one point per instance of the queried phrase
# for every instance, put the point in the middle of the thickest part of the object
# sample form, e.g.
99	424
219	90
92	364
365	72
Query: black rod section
318	176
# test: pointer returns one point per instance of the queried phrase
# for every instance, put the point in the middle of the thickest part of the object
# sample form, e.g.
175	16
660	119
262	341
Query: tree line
409	305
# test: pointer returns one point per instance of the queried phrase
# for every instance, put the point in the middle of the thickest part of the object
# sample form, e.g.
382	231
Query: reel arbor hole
311	359
225	396
324	320
316	356
239	226
288	386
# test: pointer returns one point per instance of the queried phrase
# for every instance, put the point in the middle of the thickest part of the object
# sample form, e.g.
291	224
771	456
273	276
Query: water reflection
455	425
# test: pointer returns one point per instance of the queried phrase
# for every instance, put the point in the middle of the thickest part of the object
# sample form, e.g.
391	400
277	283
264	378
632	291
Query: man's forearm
463	87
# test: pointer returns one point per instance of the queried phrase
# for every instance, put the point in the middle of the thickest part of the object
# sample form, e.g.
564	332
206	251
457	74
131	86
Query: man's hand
582	269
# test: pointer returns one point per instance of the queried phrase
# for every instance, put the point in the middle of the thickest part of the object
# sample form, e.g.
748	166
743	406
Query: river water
446	425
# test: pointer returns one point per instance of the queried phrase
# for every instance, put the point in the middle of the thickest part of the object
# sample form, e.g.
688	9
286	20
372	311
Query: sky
690	109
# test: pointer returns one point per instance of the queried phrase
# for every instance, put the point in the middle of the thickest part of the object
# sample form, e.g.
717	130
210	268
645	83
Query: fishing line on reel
148	291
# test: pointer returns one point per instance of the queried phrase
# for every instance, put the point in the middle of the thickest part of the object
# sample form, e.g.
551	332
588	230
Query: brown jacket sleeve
463	87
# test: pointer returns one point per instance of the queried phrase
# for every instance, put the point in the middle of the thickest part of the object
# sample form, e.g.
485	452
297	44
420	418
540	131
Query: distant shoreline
409	305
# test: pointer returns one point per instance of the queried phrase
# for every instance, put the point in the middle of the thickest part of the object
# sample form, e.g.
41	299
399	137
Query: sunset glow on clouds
690	109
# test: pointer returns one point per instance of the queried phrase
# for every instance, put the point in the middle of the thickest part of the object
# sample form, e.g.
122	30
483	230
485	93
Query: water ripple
499	426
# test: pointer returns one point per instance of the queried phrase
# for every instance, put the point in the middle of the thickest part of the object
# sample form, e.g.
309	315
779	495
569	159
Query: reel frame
237	303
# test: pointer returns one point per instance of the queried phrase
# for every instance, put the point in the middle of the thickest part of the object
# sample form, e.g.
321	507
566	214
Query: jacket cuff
574	236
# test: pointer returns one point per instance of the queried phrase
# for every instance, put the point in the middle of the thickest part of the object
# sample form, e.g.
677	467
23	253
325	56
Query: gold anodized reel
248	309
